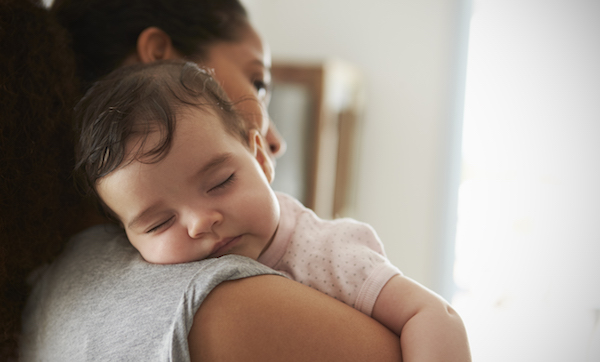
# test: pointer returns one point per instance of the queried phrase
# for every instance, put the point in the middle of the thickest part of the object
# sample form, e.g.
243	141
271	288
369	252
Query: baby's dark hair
136	101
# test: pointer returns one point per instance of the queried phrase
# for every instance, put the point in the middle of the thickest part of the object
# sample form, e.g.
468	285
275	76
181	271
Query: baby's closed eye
160	226
223	184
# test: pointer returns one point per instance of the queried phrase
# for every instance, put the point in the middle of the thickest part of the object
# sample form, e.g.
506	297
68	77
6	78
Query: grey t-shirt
100	301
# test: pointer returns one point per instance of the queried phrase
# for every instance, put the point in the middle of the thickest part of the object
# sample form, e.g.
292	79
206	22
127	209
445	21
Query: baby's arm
429	329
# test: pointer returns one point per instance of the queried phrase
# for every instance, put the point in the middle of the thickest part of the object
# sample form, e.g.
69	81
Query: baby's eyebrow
214	163
140	217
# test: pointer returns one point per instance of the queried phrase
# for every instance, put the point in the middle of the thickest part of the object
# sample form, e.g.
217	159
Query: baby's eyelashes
160	226
228	181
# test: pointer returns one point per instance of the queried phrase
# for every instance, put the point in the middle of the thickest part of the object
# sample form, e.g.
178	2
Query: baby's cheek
272	215
159	252
153	256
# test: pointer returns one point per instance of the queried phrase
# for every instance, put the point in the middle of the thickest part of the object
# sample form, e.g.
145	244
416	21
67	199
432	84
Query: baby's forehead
202	116
150	134
226	121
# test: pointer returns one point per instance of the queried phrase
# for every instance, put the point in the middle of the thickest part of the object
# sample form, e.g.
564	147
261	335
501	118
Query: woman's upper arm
270	318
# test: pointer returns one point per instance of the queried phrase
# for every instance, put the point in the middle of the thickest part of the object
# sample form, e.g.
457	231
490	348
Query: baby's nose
203	222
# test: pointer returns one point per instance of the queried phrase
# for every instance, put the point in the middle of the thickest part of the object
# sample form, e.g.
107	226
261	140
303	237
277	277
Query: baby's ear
257	147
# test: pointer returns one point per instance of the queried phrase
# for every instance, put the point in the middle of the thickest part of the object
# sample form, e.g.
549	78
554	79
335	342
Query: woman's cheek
255	115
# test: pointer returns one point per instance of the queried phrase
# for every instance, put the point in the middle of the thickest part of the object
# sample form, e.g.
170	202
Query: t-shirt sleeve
100	301
216	271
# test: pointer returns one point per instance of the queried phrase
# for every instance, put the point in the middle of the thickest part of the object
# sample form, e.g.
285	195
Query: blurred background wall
412	55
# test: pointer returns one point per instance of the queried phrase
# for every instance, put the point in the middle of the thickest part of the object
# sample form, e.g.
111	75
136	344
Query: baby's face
210	196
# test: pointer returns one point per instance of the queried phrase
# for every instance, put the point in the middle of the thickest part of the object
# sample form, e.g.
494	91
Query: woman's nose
276	143
202	223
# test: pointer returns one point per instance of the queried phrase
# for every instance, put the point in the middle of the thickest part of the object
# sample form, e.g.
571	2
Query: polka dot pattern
342	258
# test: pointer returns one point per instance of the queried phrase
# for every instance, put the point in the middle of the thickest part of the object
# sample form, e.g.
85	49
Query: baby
173	163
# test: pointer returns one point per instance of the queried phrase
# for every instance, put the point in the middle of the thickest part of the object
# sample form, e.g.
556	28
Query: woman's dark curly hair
105	32
38	202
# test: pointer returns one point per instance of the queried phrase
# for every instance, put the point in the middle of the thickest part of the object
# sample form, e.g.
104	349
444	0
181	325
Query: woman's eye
160	226
224	184
261	88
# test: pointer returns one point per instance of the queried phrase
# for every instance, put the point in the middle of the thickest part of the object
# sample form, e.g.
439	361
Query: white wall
410	54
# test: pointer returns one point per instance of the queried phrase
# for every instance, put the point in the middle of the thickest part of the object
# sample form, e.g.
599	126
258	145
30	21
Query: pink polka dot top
342	258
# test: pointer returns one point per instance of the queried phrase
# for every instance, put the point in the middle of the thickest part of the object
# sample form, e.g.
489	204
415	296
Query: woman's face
243	70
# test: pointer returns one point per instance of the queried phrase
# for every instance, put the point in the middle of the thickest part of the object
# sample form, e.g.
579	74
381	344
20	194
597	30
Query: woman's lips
222	247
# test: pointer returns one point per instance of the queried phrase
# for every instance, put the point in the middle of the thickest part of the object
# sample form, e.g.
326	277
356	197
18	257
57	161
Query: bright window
528	235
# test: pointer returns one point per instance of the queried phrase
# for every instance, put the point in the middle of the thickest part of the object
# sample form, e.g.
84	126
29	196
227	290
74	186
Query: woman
99	299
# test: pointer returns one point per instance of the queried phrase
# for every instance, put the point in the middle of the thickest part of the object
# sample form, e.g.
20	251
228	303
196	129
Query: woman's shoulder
102	256
101	279
97	241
